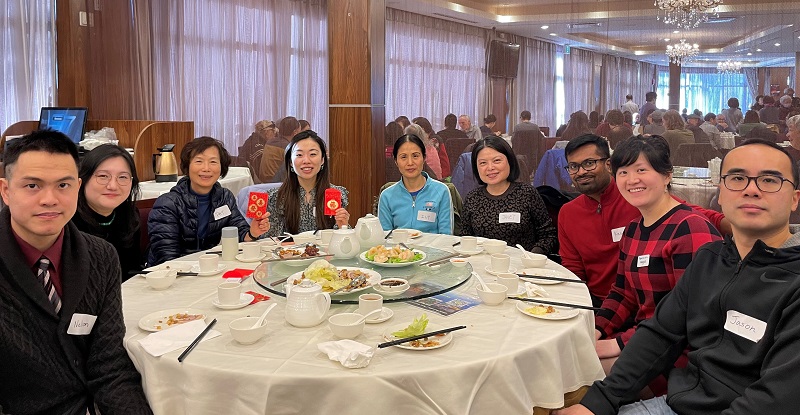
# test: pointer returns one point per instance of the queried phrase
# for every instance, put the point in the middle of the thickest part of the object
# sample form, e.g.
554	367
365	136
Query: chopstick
197	340
536	300
279	282
187	274
421	336
442	259
457	244
542	277
218	252
390	233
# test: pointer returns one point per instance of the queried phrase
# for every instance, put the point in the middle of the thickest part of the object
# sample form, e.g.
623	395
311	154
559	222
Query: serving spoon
260	320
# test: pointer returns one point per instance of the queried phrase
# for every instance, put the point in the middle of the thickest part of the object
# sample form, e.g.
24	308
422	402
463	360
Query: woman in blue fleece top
417	201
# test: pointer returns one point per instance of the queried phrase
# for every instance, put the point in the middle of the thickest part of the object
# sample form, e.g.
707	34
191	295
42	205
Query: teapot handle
325	303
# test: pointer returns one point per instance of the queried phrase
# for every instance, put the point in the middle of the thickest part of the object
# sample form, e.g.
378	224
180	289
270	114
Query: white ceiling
631	28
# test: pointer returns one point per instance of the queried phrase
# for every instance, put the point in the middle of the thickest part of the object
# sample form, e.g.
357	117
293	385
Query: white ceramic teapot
306	304
370	231
344	244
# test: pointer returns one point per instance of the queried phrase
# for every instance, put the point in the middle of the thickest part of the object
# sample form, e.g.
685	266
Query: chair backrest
253	173
144	206
553	200
695	155
243	196
456	146
526	143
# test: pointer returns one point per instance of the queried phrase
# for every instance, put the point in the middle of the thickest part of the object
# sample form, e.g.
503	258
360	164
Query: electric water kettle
164	164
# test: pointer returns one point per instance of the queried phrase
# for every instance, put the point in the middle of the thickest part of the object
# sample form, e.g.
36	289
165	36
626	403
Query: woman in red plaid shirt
654	250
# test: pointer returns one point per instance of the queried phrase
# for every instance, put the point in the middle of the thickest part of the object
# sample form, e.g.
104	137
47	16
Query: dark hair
733	102
594	119
710	116
450	121
654	148
769	100
201	144
304	123
408	138
751	117
126	211
288	125
48	141
489	119
650	96
526	115
586	139
615	117
629	96
577	125
403	121
500	145
425	124
627	117
290	188
391	132
752	141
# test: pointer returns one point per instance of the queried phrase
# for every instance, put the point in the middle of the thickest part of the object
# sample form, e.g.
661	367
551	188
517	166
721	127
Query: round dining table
504	362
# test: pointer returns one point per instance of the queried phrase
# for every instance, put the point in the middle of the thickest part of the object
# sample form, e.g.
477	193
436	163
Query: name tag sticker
616	234
643	261
81	324
510	217
222	212
425	216
743	325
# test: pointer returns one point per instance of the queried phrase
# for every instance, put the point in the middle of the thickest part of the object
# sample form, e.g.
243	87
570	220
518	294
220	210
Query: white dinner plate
244	300
157	321
363	257
561	313
241	258
511	270
374	278
301	262
182	266
220	268
443	340
463	251
544	272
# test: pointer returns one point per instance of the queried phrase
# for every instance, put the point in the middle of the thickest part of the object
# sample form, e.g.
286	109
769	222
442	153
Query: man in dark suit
61	327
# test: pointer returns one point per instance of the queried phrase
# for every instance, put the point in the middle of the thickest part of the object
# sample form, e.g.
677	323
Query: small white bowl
242	330
494	246
162	279
535	261
385	287
340	325
304	238
496	296
459	262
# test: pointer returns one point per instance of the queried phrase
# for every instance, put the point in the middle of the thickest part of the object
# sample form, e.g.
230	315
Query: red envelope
257	205
333	201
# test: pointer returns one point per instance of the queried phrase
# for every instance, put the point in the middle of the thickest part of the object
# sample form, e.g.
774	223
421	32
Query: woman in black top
105	203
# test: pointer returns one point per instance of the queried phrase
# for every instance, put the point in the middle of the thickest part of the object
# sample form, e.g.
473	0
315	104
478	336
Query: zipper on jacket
599	208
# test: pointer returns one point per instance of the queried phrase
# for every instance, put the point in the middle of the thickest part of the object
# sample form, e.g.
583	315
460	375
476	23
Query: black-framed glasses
122	179
767	183
588	165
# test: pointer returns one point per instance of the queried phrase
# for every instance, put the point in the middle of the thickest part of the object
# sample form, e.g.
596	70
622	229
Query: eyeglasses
767	183
588	165
122	179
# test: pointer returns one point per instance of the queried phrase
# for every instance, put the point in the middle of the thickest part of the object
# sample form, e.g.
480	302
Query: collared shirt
53	253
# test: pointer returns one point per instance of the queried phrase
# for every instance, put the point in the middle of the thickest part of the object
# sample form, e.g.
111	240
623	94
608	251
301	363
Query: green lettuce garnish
414	329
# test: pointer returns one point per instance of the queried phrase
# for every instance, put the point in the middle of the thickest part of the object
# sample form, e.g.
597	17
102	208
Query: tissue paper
349	353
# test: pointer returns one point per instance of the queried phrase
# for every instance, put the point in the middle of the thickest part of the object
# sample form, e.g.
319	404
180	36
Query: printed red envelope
257	298
333	201
257	205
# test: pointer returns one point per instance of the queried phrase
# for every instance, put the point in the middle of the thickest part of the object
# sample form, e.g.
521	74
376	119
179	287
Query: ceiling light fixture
676	31
682	52
729	67
686	13
758	50
749	53
553	34
777	44
545	27
666	39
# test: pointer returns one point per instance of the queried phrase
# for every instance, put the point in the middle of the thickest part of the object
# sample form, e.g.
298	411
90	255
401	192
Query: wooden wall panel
349	51
352	159
72	55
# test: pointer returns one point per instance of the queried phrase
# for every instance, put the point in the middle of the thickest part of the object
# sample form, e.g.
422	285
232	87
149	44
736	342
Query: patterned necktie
44	279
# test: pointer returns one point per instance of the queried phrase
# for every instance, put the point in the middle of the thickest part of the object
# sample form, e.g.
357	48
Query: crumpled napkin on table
349	353
534	290
177	337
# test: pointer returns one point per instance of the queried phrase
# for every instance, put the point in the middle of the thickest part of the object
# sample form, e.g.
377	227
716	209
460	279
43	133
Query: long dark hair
288	194
126	211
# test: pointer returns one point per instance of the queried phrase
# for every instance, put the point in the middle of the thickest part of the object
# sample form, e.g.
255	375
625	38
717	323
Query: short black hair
752	141
201	144
450	121
500	145
48	141
650	96
586	139
489	118
654	148
408	138
733	102
710	116
526	115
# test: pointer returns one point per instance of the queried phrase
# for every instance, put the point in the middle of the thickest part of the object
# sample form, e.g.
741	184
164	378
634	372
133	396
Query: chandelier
729	67
686	13
682	52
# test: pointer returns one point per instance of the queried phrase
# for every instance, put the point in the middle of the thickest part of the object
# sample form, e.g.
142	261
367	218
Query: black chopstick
390	233
280	281
536	300
421	336
218	252
197	340
542	277
457	243
187	274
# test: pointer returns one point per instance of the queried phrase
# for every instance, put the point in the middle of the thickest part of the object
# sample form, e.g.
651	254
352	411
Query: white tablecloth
695	191
236	179
503	363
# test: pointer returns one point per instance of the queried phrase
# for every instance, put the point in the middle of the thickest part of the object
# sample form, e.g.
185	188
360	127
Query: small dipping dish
391	286
459	262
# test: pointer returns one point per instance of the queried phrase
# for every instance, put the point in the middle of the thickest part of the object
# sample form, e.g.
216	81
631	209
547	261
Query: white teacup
325	236
469	243
368	303
400	236
208	262
500	262
510	281
251	250
229	293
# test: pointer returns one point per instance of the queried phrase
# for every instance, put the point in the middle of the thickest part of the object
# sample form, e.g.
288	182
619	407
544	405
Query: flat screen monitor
69	120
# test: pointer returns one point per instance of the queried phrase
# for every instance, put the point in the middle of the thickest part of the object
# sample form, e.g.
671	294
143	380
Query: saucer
244	300
520	291
220	268
386	314
511	270
241	258
463	251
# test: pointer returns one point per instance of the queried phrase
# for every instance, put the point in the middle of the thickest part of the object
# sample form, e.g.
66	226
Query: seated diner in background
190	217
503	208
751	121
416	201
298	204
109	185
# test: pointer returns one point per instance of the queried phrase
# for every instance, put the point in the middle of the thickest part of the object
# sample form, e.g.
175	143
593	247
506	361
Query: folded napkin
349	353
534	290
241	273
176	337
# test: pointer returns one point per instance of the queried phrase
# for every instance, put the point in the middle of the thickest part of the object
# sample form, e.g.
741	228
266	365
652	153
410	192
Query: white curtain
579	81
751	74
535	86
434	67
27	44
227	64
620	77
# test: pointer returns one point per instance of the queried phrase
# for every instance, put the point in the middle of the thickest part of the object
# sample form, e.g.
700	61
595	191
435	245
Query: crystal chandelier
729	66
682	52
686	13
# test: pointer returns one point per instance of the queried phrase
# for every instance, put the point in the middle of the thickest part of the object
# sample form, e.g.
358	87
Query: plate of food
544	272
393	257
546	312
164	319
305	255
418	326
332	278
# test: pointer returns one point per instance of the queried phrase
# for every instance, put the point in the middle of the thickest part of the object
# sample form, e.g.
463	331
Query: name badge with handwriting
426	216
510	217
81	324
222	212
616	234
743	325
643	261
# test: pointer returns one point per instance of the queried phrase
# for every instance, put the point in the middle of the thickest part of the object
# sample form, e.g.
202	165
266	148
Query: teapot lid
307	286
